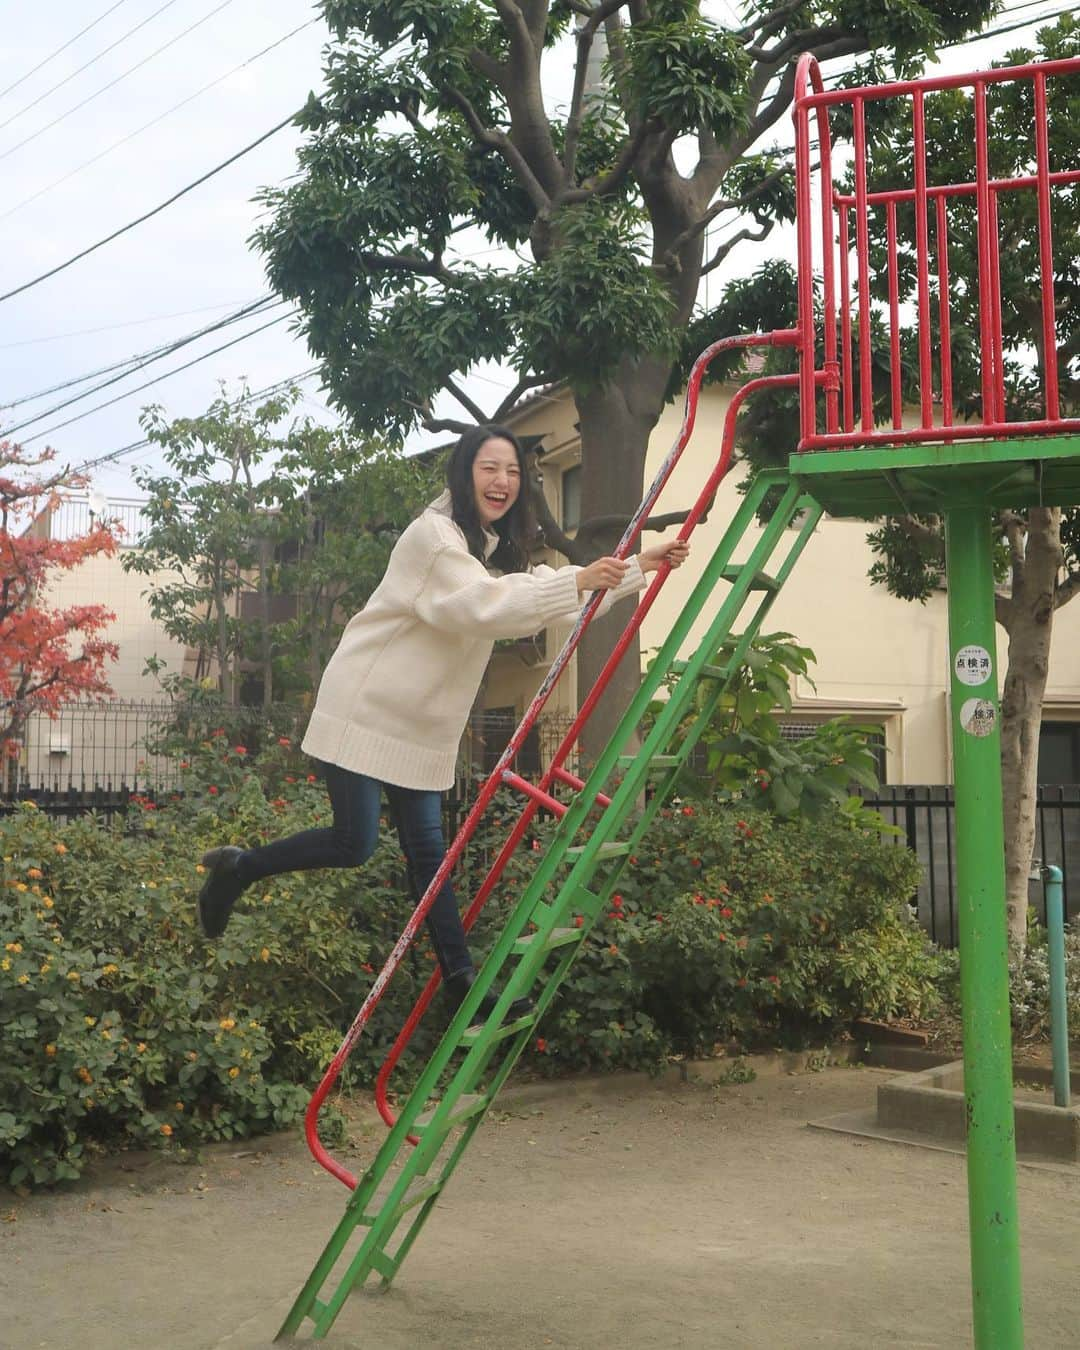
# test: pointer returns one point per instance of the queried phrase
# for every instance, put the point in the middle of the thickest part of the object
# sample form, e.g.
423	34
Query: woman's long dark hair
514	529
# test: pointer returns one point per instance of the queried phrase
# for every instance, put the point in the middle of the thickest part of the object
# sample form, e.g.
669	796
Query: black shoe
457	986
221	889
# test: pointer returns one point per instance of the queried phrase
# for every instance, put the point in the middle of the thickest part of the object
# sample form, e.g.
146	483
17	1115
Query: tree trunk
1028	618
616	422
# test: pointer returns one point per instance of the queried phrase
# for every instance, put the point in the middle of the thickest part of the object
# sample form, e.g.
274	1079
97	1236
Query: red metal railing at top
556	772
837	232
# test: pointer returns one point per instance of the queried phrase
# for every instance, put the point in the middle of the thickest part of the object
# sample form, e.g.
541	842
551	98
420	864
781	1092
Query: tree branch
770	23
474	409
613	179
723	204
432	423
526	382
499	141
1067	589
585	36
736	239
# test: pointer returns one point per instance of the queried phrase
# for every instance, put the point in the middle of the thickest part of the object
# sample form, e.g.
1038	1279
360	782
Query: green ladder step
655	762
558	937
417	1197
712	672
500	1033
469	1104
612	849
760	581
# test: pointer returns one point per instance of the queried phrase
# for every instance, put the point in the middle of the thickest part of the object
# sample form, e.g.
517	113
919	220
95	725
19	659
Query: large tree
443	121
1039	546
50	655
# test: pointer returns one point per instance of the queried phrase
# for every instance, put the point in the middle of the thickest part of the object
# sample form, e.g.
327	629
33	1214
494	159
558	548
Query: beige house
879	660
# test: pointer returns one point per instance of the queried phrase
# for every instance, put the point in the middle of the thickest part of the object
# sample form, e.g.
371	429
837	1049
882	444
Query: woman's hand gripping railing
555	772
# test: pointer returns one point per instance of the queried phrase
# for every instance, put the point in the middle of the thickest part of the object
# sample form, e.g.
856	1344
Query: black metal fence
927	818
96	757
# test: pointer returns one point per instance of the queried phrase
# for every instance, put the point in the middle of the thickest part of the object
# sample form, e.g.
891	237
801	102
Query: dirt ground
621	1213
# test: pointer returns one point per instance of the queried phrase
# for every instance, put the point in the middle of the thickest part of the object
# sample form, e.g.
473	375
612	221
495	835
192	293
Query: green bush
732	924
120	1026
1029	979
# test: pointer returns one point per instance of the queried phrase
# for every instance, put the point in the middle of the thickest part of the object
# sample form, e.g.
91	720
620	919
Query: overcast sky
191	264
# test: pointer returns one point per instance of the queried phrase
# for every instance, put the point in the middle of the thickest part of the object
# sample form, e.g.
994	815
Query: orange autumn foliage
48	656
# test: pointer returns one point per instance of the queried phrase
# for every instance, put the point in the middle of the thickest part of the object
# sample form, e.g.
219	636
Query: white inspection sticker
978	716
973	665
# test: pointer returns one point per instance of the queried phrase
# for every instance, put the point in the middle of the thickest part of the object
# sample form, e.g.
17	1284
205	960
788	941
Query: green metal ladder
556	912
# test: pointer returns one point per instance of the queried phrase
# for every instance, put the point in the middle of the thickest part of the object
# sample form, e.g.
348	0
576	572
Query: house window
1059	753
571	498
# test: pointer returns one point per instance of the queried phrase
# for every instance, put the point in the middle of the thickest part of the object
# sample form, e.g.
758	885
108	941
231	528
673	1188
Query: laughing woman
396	694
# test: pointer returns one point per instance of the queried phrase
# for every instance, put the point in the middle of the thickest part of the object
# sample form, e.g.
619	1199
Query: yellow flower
90	1021
5	964
45	968
179	1106
21	886
200	868
73	975
85	1074
264	955
106	1035
24	979
34	873
193	1055
110	969
61	848
58	939
166	1130
254	1026
13	947
151	885
89	1103
50	1050
141	1047
47	901
227	1023
234	1072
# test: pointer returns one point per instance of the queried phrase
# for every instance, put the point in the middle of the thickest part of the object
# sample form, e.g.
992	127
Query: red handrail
780	337
839	424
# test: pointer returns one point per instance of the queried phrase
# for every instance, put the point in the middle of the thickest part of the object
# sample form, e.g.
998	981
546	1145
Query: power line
86	65
35	281
112	83
113	327
268	392
39	435
153	122
132	364
63	48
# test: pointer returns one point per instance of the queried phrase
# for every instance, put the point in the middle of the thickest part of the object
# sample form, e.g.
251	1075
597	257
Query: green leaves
687	73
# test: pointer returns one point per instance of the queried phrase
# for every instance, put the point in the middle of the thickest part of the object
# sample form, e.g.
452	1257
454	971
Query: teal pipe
1059	1008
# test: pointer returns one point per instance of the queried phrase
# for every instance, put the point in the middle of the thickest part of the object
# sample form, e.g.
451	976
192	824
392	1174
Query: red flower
541	1044
367	966
721	937
616	902
774	979
212	791
312	778
284	742
219	732
240	749
726	912
578	921
688	810
633	862
767	899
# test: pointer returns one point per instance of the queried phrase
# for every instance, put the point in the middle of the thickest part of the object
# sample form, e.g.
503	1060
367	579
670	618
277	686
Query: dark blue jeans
350	841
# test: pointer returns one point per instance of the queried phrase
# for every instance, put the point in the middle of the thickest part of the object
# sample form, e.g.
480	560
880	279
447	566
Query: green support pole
984	964
1059	1002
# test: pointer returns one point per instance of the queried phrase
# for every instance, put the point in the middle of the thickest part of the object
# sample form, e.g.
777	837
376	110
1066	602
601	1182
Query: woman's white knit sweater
396	694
